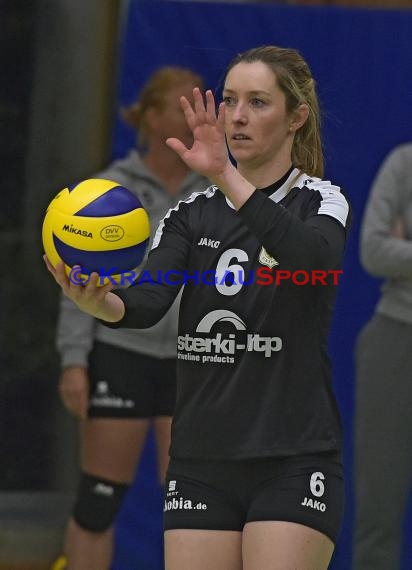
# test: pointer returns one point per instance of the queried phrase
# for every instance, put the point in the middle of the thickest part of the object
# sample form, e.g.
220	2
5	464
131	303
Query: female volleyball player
255	478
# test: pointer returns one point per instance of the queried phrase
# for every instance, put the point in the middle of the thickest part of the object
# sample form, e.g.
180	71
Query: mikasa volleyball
98	225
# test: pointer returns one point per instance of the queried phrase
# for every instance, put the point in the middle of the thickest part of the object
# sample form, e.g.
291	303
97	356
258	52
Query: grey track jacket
76	331
382	254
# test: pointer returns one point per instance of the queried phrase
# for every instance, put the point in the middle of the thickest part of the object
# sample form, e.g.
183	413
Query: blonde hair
295	80
153	94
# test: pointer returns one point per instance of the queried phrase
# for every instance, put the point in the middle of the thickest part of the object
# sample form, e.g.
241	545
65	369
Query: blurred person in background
119	383
383	424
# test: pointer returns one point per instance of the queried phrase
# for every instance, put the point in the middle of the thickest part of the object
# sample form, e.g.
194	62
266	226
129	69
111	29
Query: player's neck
263	173
166	165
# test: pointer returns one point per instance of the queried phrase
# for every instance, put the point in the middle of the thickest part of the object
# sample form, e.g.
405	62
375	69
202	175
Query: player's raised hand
208	154
91	298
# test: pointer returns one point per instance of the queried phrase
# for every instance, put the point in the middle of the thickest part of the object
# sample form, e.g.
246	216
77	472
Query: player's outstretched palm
208	154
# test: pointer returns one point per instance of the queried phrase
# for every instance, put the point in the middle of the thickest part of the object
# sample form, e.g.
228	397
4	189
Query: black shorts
126	384
225	495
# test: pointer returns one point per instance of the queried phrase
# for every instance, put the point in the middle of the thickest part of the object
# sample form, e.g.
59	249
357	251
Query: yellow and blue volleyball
98	225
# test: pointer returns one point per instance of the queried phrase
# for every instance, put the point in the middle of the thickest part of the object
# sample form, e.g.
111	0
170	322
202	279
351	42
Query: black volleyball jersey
254	376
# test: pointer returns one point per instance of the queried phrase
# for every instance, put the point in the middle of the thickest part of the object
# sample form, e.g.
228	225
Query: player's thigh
112	447
193	549
279	545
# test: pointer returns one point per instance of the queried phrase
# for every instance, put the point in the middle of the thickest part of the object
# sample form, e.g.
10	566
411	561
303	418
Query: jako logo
73	230
208	242
112	233
313	504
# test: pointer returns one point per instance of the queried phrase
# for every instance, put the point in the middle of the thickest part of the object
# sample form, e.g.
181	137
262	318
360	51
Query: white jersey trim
333	202
208	193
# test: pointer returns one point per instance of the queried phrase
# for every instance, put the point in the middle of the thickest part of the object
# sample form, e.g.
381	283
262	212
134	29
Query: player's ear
299	117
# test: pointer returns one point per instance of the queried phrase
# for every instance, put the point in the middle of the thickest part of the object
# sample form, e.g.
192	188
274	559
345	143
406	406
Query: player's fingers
177	146
210	108
200	109
106	288
95	290
74	283
221	118
61	277
49	265
189	113
88	288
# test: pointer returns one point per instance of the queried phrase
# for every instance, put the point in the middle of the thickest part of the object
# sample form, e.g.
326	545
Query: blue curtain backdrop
362	61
